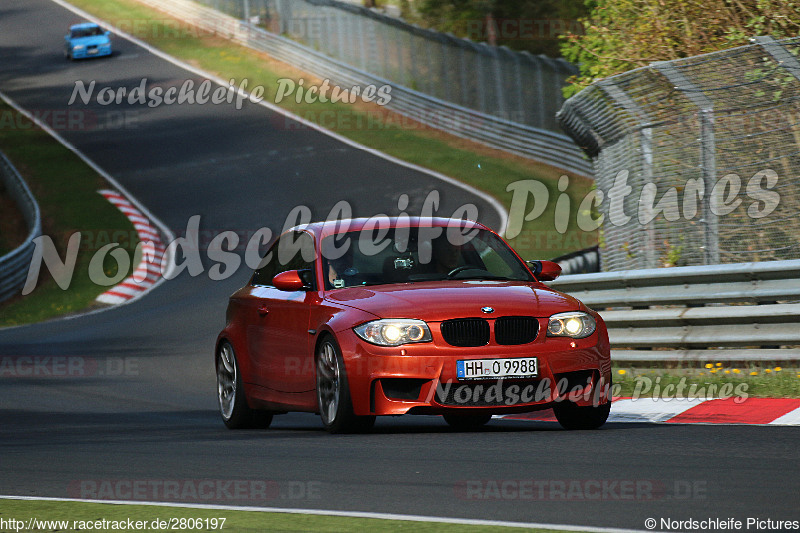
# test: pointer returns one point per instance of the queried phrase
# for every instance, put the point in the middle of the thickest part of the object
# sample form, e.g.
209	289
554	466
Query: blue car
86	40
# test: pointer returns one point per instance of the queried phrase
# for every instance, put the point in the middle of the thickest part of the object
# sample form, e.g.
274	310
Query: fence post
502	109
708	161
646	147
463	73
362	43
339	33
779	54
518	88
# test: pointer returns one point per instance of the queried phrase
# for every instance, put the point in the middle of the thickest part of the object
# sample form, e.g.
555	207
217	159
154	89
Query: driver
336	268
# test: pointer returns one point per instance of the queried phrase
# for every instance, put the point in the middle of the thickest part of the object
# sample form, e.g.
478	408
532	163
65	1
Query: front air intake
466	332
512	330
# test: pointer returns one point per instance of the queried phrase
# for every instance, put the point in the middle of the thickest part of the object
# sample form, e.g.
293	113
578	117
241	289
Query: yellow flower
753	373
778	369
736	371
719	364
768	371
709	365
714	371
727	371
621	372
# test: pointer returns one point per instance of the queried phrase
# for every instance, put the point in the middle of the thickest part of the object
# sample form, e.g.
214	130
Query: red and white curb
148	271
759	411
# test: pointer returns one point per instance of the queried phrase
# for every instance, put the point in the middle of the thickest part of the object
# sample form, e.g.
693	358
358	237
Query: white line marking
349	514
650	410
792	418
273	107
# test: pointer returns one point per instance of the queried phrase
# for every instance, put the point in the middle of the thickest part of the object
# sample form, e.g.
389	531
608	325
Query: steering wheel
458	269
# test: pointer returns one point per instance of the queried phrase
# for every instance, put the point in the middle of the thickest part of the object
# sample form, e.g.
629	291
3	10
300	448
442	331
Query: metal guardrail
581	262
548	147
14	265
741	312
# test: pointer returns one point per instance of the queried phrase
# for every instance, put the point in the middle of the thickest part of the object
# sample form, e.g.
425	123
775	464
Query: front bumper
421	378
82	53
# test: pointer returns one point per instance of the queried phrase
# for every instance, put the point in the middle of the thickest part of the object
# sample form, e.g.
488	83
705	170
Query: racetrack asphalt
155	421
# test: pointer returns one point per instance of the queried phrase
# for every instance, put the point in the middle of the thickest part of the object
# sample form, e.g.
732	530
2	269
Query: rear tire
572	416
333	392
233	408
467	422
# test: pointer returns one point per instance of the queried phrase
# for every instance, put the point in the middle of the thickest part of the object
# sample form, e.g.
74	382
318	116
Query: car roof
326	228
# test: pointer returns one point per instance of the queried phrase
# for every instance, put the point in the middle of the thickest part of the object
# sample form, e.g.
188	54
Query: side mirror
289	281
545	270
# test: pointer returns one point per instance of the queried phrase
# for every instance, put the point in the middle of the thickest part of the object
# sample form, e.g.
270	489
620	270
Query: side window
263	276
292	251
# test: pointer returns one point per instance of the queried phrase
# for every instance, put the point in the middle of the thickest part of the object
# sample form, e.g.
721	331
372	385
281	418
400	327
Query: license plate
523	367
92	50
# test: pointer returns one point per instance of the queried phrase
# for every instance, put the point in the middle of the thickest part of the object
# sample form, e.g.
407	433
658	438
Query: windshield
86	32
408	255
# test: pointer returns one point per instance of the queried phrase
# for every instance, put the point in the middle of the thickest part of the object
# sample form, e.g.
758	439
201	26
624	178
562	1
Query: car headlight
78	47
574	324
394	332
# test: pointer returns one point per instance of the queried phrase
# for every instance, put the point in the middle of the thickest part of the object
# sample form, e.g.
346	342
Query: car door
278	339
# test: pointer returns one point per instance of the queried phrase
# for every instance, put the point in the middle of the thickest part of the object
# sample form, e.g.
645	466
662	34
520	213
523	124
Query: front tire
572	416
233	408
333	392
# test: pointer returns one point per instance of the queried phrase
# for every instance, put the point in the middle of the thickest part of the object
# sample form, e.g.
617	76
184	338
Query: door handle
263	310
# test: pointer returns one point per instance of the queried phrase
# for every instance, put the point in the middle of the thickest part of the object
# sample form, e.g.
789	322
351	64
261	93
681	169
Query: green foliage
533	25
621	35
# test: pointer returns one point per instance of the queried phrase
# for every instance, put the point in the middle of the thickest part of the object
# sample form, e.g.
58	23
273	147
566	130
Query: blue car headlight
78	47
394	332
575	324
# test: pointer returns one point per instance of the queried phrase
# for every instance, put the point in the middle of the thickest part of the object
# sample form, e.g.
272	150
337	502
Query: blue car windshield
86	32
408	255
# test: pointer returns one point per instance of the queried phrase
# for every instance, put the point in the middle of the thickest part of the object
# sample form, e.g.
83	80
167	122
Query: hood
93	40
436	301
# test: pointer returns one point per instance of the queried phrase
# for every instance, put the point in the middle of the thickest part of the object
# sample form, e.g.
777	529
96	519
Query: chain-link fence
515	86
710	148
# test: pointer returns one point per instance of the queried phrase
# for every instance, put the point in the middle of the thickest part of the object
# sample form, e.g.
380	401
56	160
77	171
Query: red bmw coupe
359	318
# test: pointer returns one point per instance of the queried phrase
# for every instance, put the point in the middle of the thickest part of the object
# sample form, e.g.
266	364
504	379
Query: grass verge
712	379
76	512
484	168
66	189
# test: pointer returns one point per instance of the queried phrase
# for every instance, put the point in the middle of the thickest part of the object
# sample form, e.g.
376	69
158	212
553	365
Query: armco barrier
581	262
14	265
741	312
542	145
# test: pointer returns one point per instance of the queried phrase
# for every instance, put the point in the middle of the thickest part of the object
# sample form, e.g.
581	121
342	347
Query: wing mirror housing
290	281
545	270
